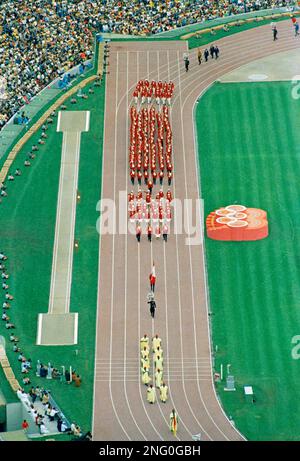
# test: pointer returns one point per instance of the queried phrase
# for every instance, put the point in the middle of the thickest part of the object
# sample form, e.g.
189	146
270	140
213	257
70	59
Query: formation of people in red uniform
161	92
150	148
150	158
150	151
150	215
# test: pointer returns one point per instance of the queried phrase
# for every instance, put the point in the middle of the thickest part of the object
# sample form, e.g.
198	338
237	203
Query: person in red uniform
165	231
168	214
157	231
169	195
132	176
138	232
161	177
131	196
139	177
154	176
146	176
149	232
169	166
161	214
170	176
150	186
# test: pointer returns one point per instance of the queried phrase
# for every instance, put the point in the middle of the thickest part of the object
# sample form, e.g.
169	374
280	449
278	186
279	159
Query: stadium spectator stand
41	39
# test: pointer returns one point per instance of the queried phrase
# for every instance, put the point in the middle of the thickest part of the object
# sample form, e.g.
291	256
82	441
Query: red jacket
152	279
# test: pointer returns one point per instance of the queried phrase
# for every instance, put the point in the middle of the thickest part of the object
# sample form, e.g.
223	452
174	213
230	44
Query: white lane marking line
167	345
99	268
209	414
151	262
113	256
179	296
165	259
139	309
126	246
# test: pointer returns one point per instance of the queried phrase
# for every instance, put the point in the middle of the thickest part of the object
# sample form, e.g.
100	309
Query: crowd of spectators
146	17
41	39
46	412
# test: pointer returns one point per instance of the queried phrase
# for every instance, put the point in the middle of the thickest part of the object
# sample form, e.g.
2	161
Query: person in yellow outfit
158	363
158	378
173	422
145	352
145	363
156	342
157	352
151	395
145	376
164	392
144	342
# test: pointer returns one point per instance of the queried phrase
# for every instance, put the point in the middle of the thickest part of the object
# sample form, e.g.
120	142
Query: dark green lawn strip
249	143
28	215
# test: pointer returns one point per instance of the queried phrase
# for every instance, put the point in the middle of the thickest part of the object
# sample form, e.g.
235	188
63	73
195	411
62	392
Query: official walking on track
186	61
199	56
274	31
152	308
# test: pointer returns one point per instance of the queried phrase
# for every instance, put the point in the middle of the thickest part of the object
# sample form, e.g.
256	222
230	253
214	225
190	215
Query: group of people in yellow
158	360
157	354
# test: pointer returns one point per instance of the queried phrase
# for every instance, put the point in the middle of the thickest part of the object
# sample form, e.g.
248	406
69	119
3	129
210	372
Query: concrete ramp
59	326
57	329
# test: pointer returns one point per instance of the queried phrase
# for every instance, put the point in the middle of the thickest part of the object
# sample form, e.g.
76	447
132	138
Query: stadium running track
121	411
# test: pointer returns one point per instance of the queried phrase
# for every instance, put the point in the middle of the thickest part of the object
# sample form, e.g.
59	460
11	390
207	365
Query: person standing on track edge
199	56
275	31
186	61
173	422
